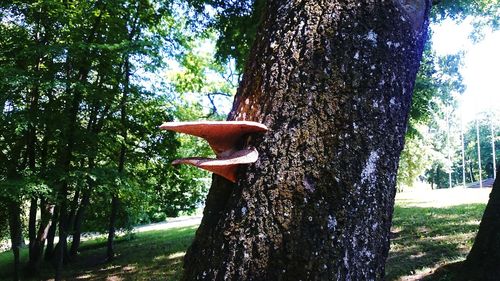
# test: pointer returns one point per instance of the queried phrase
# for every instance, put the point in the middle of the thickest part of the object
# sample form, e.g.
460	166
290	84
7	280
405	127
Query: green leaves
25	188
62	79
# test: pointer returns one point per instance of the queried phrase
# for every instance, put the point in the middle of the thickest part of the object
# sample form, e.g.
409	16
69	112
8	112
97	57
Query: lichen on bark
332	80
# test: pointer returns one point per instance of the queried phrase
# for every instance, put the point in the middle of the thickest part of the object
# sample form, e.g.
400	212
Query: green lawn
431	229
153	255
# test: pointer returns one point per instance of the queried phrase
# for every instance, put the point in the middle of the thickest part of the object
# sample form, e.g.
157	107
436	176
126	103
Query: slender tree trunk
74	207
49	251
432	179
16	237
33	99
46	214
32	227
438	176
80	214
61	248
471	172
65	157
94	129
115	201
47	211
110	252
48	222
66	153
333	81
483	261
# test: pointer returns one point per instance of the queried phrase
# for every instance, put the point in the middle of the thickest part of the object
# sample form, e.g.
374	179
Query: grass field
431	229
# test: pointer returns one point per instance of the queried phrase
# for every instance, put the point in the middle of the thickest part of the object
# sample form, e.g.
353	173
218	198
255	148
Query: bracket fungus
224	137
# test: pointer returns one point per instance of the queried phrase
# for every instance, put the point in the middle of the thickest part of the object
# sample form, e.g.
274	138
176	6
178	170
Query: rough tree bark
333	80
483	261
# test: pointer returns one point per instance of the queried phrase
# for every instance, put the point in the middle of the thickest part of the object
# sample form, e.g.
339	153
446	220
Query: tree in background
485	122
430	134
66	69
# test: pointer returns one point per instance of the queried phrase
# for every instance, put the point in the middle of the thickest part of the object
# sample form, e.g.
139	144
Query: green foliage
62	78
459	9
236	23
415	158
483	13
201	82
431	118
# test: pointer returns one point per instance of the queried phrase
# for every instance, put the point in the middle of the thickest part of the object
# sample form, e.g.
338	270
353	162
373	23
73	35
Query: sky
481	65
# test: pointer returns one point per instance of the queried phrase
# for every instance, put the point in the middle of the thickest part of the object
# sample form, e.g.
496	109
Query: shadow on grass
153	255
425	238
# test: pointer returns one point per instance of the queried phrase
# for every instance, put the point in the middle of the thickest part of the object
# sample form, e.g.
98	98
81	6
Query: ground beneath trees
432	230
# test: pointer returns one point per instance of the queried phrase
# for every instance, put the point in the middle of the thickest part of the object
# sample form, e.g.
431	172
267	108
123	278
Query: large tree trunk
333	81
483	261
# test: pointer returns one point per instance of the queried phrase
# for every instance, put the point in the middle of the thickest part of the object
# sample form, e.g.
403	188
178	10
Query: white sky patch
480	65
481	75
450	37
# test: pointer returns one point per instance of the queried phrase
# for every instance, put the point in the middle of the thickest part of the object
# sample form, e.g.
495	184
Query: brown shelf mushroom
221	135
224	166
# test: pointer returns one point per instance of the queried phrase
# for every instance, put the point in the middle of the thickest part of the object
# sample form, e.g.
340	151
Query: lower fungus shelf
223	166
